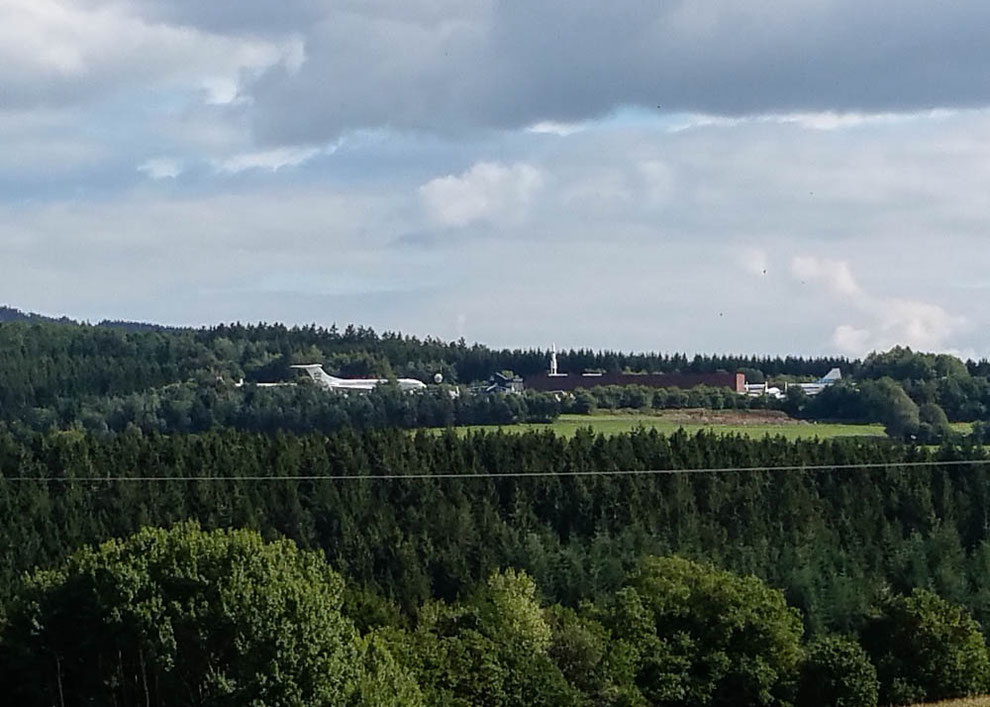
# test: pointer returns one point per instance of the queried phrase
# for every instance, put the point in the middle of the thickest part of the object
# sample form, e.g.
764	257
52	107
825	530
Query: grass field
734	423
965	702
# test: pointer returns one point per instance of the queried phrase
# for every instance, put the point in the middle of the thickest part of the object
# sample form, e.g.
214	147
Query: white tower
553	361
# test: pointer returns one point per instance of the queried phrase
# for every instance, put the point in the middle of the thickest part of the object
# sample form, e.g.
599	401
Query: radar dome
438	378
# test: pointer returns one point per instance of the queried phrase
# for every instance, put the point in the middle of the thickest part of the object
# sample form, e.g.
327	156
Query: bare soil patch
702	416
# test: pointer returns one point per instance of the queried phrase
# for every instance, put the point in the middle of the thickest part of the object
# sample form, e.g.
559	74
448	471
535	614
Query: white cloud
488	190
551	127
830	120
850	340
825	120
55	52
921	325
887	321
272	160
836	275
161	168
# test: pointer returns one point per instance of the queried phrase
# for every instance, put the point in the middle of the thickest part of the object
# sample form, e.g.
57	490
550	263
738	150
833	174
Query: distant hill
135	326
12	314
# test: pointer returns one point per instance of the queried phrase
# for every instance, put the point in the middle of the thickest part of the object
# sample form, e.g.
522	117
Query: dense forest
172	538
840	543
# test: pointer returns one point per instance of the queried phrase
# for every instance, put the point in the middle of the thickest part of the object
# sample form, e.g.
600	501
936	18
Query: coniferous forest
210	561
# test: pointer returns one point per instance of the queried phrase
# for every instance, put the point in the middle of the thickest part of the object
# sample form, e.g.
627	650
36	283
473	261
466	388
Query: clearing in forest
752	423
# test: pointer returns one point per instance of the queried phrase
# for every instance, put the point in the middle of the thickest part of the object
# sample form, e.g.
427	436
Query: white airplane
830	378
325	380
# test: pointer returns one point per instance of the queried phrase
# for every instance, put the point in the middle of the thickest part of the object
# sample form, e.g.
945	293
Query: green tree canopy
837	673
491	650
926	649
702	636
888	402
182	617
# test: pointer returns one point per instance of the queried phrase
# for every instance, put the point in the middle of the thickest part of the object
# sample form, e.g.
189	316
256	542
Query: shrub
837	672
926	648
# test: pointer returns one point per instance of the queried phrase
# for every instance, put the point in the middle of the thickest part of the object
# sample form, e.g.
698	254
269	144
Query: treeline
93	375
42	361
105	378
188	408
832	540
902	388
640	397
915	395
182	616
960	392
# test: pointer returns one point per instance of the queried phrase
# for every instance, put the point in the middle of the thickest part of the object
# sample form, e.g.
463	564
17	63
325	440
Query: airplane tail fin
833	375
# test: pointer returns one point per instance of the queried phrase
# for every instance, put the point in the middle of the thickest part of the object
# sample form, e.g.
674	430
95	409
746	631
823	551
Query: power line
512	474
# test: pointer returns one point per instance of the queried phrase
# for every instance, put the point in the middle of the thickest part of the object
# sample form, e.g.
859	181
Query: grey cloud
232	16
511	64
34	143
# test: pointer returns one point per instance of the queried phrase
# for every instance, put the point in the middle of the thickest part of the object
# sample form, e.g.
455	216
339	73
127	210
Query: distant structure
830	378
554	373
324	380
555	381
501	383
755	390
240	383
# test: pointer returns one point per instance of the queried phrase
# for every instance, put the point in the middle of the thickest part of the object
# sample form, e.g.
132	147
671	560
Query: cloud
836	275
851	340
888	321
272	160
550	127
755	261
658	181
161	168
627	235
487	191
921	325
57	52
832	120
152	252
42	143
457	67
812	120
255	17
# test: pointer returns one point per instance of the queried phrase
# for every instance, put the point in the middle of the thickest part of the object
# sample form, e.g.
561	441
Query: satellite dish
438	378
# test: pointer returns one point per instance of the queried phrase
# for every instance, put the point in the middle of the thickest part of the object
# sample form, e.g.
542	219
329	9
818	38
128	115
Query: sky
749	176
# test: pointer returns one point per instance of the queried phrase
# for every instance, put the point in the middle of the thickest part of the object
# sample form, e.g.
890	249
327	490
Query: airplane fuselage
323	379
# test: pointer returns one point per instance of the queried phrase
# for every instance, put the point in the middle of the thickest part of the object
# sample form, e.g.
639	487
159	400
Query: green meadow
610	424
